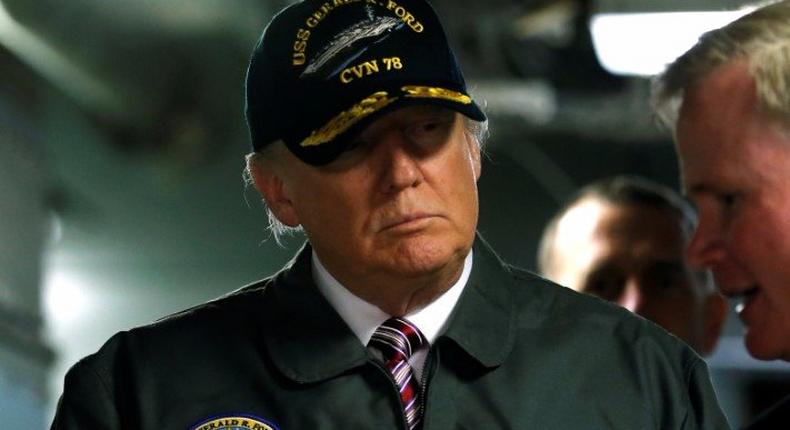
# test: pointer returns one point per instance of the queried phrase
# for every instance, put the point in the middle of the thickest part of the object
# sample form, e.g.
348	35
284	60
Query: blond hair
761	37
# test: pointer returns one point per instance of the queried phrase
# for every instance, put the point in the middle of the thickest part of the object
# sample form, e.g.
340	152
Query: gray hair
270	153
761	37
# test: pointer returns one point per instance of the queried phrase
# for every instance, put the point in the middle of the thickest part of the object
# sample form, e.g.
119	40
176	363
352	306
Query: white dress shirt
364	318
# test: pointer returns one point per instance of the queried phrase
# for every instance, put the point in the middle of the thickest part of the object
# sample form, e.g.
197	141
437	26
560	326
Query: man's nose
705	246
631	297
400	165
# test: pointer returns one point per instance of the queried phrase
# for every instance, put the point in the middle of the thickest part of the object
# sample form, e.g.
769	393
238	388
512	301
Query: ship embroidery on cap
377	28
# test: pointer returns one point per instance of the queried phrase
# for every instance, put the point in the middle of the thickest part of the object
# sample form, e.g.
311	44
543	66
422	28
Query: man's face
401	205
735	163
633	256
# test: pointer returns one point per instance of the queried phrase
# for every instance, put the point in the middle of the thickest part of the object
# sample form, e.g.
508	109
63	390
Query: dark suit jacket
519	353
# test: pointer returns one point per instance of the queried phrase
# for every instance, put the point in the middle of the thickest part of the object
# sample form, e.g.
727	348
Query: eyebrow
697	189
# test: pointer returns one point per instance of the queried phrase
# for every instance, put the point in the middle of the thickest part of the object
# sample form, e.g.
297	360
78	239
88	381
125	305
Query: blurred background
122	141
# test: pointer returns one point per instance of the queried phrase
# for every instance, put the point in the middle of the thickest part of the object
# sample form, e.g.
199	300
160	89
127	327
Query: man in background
623	239
727	100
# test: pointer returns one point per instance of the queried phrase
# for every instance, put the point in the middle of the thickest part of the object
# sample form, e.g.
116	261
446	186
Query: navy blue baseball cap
324	70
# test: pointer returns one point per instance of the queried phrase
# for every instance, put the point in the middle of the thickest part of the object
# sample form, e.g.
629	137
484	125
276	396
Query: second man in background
623	239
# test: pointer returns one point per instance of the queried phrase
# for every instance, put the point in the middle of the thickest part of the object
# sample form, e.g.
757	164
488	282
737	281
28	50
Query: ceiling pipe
87	90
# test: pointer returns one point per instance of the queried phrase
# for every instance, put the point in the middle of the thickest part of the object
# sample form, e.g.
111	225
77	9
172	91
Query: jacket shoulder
560	307
232	316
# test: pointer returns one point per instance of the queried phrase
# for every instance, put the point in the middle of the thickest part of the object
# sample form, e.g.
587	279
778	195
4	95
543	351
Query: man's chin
414	258
763	347
414	266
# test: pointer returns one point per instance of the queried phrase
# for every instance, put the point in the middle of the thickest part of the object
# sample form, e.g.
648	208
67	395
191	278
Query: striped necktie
396	339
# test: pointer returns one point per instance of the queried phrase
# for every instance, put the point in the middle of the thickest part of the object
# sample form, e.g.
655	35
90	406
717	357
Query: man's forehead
732	82
710	129
580	220
633	222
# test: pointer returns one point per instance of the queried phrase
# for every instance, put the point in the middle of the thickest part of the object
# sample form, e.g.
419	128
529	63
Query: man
623	239
393	315
728	103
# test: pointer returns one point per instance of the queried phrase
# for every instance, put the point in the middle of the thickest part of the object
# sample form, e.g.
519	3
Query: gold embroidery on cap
233	422
344	120
406	16
436	93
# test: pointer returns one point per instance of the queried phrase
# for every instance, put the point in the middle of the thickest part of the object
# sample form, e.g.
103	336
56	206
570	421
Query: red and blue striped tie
396	339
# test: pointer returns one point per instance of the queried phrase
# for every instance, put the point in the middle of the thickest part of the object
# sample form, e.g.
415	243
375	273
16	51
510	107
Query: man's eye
728	200
428	127
355	153
431	132
605	287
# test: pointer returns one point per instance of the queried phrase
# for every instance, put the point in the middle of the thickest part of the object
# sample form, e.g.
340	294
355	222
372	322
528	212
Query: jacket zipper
426	370
388	374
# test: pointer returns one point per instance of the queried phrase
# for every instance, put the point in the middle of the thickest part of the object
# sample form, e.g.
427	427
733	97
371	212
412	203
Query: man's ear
715	314
474	150
273	188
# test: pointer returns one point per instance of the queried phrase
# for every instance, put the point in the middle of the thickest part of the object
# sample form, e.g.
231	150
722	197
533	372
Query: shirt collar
363	318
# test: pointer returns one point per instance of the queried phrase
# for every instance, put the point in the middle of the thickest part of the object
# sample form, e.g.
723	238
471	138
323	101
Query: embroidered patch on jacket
235	422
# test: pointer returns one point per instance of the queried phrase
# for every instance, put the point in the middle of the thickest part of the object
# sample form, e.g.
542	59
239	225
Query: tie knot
397	338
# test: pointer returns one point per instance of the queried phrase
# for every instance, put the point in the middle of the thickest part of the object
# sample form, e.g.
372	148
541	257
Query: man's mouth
743	297
406	219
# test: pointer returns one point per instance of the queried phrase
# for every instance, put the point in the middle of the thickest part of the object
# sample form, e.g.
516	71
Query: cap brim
326	152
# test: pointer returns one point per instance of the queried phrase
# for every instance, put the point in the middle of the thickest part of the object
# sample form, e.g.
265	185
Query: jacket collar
309	342
483	322
306	339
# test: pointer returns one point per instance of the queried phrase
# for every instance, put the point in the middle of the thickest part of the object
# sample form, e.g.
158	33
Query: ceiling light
643	44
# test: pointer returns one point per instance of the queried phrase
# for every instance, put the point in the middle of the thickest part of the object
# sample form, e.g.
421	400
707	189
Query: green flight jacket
518	353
